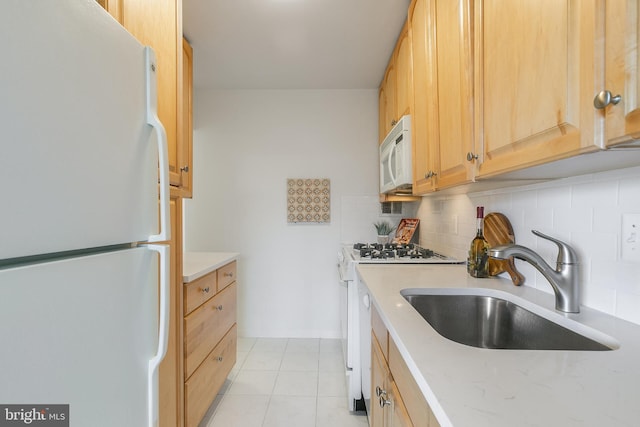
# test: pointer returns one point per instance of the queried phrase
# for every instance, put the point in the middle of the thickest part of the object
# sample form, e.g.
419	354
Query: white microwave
396	168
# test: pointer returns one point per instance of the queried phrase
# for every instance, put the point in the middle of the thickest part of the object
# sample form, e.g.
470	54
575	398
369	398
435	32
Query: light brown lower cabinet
396	400
203	386
210	339
387	407
170	377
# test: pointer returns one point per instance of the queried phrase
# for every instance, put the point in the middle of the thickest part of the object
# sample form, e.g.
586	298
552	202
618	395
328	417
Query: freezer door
79	163
82	332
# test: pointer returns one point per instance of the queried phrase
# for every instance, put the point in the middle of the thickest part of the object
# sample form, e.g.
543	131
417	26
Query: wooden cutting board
498	231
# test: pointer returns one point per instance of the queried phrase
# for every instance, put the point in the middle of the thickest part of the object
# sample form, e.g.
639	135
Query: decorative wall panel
308	200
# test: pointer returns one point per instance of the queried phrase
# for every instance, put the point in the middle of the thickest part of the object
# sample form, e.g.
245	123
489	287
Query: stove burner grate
392	251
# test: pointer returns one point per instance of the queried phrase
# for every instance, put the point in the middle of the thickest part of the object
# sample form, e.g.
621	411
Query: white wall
246	145
584	211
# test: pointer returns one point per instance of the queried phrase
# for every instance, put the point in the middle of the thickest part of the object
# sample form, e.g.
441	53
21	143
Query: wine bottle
478	262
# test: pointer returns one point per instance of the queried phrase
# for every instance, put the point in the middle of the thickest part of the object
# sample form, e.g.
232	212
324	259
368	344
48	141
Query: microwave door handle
392	153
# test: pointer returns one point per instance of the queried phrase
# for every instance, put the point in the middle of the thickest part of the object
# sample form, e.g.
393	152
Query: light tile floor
283	382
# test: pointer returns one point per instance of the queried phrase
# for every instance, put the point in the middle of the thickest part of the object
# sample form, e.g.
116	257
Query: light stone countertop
473	387
197	264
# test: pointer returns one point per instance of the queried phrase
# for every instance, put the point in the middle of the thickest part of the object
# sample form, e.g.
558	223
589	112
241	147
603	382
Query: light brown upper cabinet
387	101
185	143
441	42
423	120
159	24
396	87
536	74
404	83
621	71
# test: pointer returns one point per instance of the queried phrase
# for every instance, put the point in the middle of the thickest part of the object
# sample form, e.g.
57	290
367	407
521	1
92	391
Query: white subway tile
594	193
555	197
607	219
572	220
600	298
628	306
629	194
596	246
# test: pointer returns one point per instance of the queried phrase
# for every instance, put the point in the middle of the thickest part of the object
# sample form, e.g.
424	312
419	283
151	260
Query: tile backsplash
584	211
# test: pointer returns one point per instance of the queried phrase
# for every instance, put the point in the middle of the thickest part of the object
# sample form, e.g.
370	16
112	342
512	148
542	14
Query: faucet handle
566	254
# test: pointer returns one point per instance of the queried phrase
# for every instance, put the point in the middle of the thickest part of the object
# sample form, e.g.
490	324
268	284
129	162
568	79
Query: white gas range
354	307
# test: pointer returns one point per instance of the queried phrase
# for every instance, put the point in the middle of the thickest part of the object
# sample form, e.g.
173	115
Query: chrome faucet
564	279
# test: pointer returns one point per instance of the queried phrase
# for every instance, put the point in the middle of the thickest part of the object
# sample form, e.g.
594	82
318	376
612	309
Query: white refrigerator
83	269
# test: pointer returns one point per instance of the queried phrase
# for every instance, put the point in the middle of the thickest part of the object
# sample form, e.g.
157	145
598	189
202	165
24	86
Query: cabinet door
423	120
159	25
171	379
404	84
535	81
454	74
185	143
398	415
388	87
379	374
621	70
382	113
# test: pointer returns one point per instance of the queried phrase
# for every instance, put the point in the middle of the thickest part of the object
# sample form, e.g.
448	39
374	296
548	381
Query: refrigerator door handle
163	150
163	332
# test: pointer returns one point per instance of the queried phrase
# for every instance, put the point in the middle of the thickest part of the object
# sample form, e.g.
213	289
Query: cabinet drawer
199	291
226	275
417	406
380	331
206	381
206	326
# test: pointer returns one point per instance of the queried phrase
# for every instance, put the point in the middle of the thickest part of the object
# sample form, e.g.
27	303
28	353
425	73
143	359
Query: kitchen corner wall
584	211
246	144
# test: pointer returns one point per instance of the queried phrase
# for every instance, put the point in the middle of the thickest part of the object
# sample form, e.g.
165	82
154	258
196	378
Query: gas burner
360	246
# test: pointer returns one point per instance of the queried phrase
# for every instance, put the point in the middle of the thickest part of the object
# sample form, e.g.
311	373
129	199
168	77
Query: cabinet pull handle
394	122
184	168
471	157
218	307
219	358
380	391
228	274
604	98
429	175
206	290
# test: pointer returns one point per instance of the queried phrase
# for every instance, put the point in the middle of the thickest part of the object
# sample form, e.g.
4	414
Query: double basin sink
492	321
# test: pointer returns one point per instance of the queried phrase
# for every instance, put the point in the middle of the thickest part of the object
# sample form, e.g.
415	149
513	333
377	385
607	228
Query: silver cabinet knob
471	157
218	307
206	290
184	168
430	175
604	98
383	401
380	391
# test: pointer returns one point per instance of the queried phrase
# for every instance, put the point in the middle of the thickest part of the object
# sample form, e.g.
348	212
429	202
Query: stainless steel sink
492	322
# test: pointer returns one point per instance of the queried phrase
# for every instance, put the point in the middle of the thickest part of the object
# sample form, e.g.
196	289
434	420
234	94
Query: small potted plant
383	228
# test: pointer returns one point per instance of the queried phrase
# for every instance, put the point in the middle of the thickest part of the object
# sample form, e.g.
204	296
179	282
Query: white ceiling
292	44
